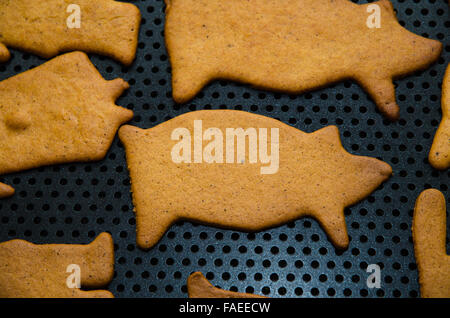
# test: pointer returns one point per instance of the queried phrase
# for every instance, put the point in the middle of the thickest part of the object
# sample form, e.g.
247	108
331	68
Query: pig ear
101	271
383	93
116	87
329	133
130	134
386	5
4	53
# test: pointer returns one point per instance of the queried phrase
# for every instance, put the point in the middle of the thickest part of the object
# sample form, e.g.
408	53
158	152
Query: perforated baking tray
73	203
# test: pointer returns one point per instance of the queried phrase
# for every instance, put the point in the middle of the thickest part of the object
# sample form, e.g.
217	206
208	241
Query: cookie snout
377	171
425	51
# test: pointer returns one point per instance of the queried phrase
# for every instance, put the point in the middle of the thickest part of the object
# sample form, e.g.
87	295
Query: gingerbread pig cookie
55	270
47	28
440	151
292	46
429	233
243	171
5	191
199	287
62	111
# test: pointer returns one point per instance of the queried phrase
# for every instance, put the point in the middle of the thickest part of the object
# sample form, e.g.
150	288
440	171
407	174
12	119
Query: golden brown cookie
429	233
440	151
4	53
47	28
291	46
62	111
199	287
5	191
44	271
315	175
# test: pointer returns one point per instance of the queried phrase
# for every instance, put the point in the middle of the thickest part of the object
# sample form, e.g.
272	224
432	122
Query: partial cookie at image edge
107	27
246	42
429	236
199	287
30	270
439	156
73	119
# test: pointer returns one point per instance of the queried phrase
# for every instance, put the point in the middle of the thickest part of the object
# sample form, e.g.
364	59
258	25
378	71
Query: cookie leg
152	228
93	294
439	155
187	83
5	191
198	285
334	226
4	53
383	93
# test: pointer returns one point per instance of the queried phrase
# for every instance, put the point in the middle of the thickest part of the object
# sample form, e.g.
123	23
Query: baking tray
73	203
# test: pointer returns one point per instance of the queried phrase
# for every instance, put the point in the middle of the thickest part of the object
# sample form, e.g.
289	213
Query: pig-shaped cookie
292	46
47	28
62	111
243	171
